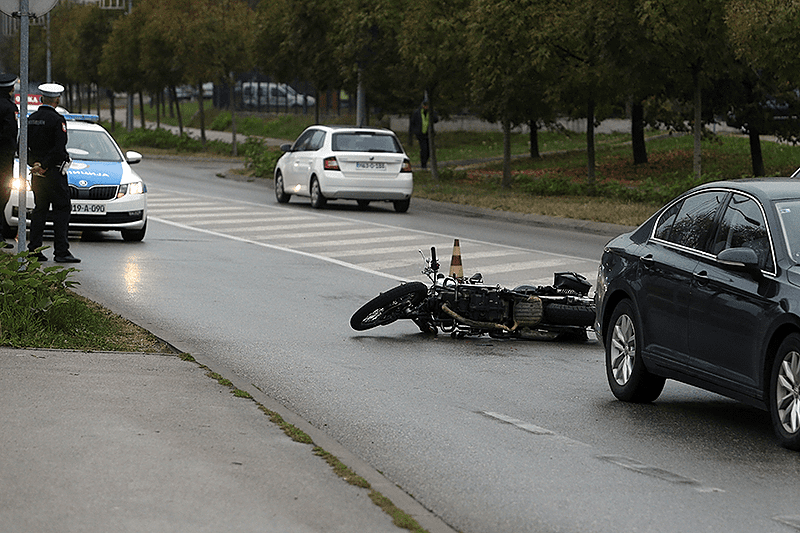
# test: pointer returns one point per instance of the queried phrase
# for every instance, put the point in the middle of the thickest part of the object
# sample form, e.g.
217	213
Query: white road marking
526	426
281	248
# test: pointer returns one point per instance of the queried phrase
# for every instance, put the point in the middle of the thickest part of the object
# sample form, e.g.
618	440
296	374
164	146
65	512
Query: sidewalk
133	442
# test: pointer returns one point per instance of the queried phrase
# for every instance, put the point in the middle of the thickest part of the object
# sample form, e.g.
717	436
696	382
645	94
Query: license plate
88	209
370	166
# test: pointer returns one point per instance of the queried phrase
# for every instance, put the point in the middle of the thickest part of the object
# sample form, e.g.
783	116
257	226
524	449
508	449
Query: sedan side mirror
286	148
745	259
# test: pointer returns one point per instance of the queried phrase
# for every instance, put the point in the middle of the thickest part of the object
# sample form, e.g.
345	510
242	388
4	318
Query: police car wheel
134	235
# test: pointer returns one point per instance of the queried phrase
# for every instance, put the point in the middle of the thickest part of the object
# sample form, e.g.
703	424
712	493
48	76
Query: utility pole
25	10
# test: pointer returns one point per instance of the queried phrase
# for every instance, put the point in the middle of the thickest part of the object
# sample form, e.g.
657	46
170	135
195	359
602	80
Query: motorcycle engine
528	313
479	303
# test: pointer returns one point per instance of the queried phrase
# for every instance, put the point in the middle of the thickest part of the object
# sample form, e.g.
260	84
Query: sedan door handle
701	277
647	259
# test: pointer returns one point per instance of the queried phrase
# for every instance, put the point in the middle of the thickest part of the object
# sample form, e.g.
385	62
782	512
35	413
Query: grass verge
38	309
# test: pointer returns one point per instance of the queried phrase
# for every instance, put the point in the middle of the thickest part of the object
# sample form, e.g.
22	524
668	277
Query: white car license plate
370	166
88	209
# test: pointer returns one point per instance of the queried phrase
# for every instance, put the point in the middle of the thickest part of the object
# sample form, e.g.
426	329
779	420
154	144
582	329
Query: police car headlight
137	187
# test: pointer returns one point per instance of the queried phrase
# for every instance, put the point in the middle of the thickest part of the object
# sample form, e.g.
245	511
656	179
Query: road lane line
526	426
524	265
354	242
296	228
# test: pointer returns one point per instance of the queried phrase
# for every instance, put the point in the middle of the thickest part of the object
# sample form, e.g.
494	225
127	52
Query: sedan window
317	140
302	142
365	142
789	213
688	223
743	226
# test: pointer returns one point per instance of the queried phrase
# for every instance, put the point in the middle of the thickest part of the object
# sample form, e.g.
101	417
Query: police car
107	195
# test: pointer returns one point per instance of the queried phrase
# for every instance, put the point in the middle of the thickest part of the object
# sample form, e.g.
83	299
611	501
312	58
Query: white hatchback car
345	163
107	195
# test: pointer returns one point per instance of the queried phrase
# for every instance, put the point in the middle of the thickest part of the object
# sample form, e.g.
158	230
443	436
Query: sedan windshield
91	146
789	213
365	142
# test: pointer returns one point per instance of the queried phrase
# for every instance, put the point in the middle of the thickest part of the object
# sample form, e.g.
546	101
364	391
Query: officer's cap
51	90
7	81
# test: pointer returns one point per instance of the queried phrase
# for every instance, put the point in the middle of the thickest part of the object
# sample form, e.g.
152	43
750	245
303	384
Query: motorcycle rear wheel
389	306
569	315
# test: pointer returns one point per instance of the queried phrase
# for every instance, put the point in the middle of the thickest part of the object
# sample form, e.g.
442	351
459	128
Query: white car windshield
87	145
365	142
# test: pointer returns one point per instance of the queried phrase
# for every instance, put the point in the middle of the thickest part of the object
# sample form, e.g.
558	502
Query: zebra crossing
388	250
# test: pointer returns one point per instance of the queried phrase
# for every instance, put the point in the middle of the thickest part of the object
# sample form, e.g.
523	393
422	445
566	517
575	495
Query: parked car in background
106	194
345	163
279	95
189	92
707	292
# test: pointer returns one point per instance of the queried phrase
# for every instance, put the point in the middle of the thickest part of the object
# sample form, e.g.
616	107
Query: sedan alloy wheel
627	376
785	393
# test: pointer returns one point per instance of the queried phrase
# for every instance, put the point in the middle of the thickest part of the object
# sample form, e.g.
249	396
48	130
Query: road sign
36	8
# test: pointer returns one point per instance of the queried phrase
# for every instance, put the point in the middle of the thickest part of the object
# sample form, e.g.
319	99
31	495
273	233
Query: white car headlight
16	184
137	187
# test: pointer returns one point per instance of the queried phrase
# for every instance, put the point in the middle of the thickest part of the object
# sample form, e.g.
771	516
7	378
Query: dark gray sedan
707	292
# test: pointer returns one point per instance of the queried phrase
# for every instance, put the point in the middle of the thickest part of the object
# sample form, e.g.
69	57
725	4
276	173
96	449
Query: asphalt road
492	436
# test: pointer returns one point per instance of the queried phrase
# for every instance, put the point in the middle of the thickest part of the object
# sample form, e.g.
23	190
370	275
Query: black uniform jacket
8	128
47	138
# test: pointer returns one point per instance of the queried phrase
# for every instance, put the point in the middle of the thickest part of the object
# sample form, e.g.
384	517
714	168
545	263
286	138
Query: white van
263	94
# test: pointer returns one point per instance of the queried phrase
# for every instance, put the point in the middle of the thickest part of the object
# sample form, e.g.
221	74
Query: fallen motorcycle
468	307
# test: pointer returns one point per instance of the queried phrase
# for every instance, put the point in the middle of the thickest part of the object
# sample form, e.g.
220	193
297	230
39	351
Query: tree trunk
590	153
698	128
231	83
534	139
755	152
141	109
174	97
637	134
111	107
316	106
432	136
506	183
201	110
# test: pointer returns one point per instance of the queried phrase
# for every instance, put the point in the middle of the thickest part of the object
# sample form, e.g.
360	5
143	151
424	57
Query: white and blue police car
107	195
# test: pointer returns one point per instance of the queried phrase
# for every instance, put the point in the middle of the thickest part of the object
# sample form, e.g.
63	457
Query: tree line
667	63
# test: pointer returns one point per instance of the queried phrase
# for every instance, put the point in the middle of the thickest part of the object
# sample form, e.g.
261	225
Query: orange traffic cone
456	270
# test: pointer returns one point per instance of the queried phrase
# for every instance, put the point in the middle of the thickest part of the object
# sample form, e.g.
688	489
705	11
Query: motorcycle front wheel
389	306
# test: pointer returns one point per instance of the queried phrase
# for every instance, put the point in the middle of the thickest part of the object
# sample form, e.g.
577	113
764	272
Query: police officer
49	160
8	147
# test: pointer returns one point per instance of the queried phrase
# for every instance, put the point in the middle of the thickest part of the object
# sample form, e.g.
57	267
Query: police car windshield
91	146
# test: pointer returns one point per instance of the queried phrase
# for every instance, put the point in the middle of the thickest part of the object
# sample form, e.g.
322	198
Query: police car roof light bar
94	119
78	117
